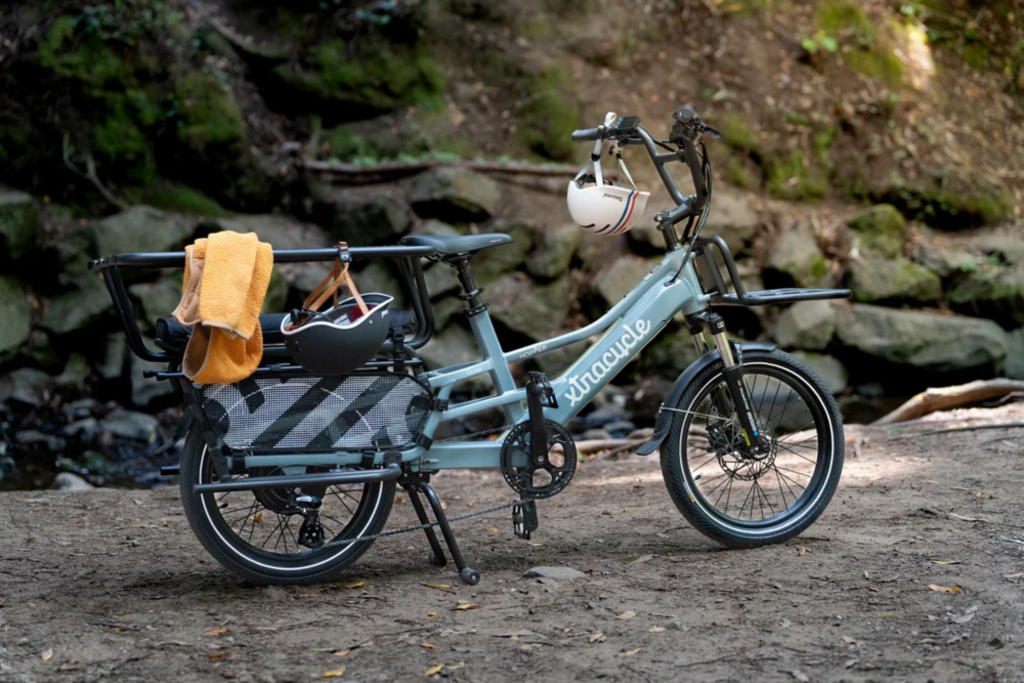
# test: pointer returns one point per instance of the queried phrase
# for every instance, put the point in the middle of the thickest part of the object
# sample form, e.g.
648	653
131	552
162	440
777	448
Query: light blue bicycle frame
627	328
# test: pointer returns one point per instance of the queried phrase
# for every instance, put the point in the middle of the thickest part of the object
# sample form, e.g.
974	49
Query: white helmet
605	209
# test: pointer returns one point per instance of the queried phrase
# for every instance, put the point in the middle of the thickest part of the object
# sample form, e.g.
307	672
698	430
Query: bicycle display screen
626	124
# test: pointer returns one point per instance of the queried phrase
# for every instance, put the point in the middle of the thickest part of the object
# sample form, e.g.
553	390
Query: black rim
766	489
265	525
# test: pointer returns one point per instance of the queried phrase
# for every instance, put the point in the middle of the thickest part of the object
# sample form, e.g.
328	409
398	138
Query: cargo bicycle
289	475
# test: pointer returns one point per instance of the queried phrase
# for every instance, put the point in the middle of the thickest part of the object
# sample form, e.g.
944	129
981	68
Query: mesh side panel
306	412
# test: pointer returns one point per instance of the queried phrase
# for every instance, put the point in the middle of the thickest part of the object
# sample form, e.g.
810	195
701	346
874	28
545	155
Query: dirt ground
112	584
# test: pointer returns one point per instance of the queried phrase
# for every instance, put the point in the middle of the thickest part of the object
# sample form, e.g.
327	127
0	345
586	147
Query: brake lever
713	133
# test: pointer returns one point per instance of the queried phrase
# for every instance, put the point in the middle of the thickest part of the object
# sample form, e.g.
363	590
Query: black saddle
451	245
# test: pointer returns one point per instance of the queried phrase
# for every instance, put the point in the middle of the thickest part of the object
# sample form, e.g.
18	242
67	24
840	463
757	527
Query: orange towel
226	280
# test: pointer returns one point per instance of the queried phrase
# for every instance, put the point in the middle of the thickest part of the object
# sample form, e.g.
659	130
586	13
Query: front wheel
744	499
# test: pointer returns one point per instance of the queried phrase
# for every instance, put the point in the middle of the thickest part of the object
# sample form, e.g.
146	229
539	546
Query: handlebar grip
586	134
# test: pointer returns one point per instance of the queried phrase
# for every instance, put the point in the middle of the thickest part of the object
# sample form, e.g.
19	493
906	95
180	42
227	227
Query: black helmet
340	339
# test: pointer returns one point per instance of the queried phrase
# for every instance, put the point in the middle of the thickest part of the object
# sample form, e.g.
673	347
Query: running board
389	473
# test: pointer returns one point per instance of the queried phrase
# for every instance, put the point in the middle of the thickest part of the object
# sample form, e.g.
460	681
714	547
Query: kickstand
436	557
468	575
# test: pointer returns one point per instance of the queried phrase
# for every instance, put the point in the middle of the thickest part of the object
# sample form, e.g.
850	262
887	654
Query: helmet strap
333	282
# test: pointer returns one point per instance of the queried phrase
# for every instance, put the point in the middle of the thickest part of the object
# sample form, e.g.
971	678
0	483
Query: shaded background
875	145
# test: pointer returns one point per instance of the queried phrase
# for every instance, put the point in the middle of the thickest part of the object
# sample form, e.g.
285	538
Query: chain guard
521	472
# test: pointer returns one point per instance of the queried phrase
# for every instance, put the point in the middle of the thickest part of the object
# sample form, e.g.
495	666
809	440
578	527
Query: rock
621	276
536	311
281	232
997	294
941	262
66	481
796	260
891	280
595	435
112	365
381	276
732	217
362	219
493	262
131	425
41	352
879	231
806	325
930	341
78	308
276	299
440	279
454	194
830	370
1014	366
454	346
557	361
145	391
668	355
156	299
140	228
554	250
437	228
620	428
19	221
1006	245
560	573
15	316
84	429
76	371
25	385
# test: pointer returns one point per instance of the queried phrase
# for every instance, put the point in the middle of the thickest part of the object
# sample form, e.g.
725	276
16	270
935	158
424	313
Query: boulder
131	425
19	221
940	261
891	280
454	194
112	365
156	299
830	370
997	294
668	355
536	311
140	228
40	351
796	260
437	228
75	373
361	219
276	298
381	276
732	217
1005	244
929	341
879	231
78	308
66	481
554	250
15	314
491	263
806	325
1014	366
281	232
25	385
621	276
453	346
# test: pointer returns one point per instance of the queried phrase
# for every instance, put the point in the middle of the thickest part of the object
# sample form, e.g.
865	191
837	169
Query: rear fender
664	416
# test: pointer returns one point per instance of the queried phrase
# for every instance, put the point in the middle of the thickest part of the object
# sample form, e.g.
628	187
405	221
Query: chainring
541	479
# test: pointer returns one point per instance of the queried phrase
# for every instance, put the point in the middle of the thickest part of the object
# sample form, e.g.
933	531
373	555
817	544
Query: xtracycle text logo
581	385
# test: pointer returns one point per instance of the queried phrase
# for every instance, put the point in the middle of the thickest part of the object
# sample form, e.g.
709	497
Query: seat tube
501	375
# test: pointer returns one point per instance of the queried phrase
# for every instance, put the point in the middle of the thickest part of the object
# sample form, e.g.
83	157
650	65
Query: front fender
684	380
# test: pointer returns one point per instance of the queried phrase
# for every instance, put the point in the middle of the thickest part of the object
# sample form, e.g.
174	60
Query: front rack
408	258
714	283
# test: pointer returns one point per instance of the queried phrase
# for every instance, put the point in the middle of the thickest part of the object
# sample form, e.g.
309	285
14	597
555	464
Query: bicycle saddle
458	244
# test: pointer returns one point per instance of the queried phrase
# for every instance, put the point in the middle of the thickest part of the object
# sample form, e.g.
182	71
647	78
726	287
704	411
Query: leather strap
332	283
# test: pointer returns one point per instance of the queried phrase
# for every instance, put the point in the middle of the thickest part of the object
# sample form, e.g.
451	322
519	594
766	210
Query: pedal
538	385
524	519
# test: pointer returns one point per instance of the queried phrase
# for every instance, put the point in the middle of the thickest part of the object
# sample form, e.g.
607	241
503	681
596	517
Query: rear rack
409	265
714	284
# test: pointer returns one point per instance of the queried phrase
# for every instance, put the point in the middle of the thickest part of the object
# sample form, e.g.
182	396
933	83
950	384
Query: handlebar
686	130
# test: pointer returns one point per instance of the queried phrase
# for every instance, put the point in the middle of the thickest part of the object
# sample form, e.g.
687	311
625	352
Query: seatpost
470	292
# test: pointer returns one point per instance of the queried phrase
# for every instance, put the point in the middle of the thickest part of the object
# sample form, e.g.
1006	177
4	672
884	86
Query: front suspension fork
733	373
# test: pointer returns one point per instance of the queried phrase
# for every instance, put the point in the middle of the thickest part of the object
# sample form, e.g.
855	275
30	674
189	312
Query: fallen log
944	398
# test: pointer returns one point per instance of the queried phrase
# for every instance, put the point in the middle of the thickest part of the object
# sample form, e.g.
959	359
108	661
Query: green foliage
952	209
791	178
976	56
384	77
550	115
737	173
820	41
862	50
207	112
185	199
740	134
89	59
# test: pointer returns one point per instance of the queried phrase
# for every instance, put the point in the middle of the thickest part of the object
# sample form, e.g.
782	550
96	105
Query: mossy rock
378	78
956	209
184	199
19	221
861	46
796	260
878	280
880	230
989	293
740	134
550	115
207	112
792	178
16	314
78	308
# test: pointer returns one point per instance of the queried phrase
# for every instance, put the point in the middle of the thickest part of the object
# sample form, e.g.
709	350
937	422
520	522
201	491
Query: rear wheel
743	499
259	534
